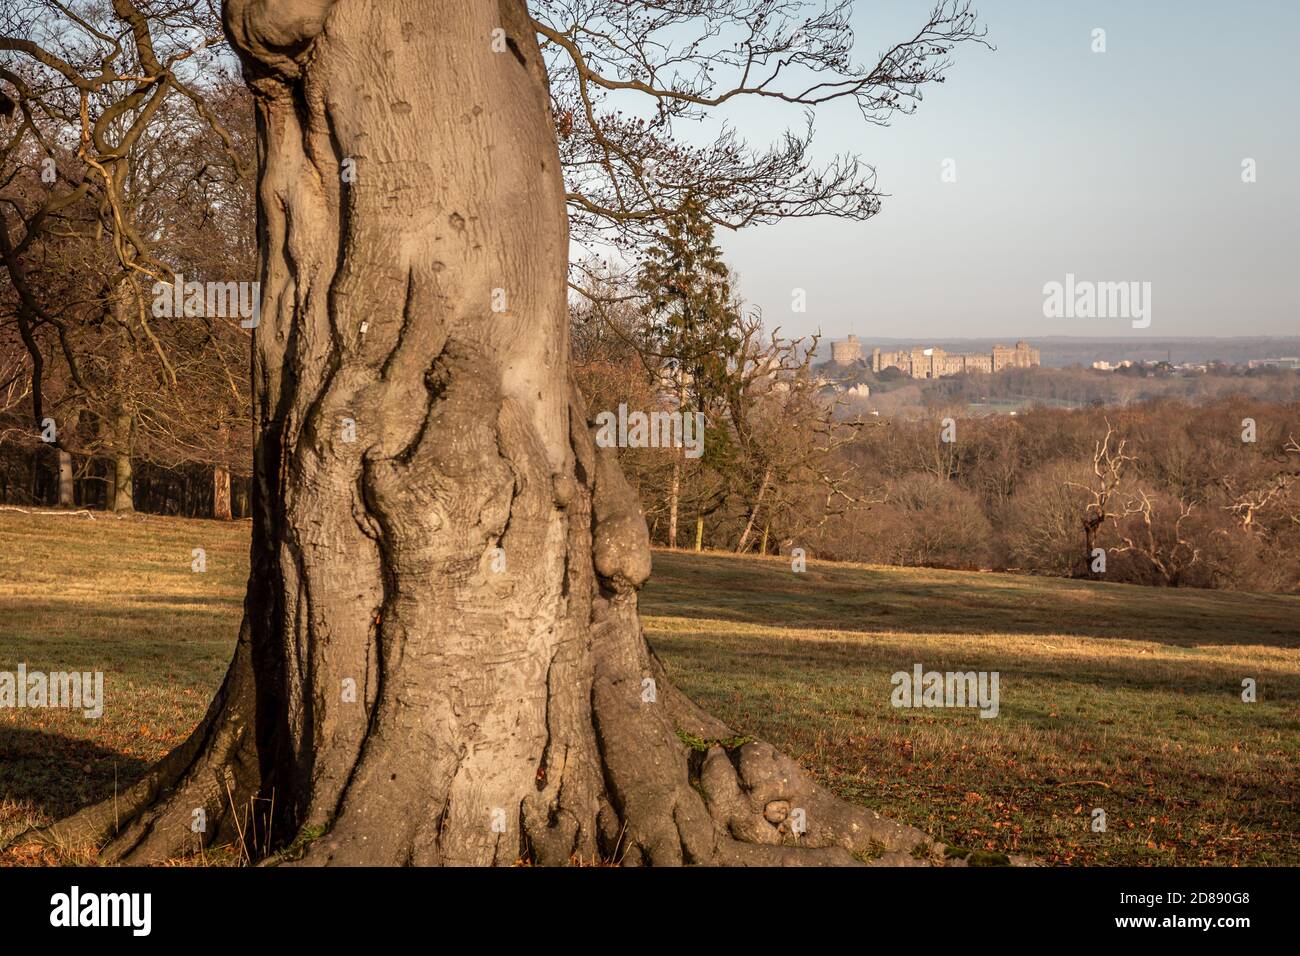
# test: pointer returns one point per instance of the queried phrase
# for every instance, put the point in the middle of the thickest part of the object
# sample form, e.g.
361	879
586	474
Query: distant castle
934	362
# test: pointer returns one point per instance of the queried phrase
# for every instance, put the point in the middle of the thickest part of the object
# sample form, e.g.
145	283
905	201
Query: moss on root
295	850
873	851
977	857
704	745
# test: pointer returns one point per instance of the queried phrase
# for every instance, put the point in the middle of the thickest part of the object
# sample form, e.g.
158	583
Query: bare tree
1250	499
105	98
790	431
1170	559
1108	465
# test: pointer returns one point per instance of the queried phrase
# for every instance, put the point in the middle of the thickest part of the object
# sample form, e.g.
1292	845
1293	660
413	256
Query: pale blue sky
1123	165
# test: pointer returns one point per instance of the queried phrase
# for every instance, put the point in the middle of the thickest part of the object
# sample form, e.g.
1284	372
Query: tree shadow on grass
928	601
56	774
865	665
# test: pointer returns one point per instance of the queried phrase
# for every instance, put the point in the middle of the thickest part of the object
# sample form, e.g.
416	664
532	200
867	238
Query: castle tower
846	352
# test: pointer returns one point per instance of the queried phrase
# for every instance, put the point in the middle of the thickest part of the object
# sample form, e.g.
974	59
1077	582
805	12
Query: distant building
860	390
1289	361
847	352
935	362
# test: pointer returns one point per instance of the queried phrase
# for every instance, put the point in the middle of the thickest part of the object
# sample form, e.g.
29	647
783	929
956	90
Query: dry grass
1116	697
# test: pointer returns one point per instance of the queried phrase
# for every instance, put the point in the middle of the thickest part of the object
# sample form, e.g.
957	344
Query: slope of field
1116	698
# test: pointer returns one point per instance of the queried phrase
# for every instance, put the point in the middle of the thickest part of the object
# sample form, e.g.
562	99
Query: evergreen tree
692	317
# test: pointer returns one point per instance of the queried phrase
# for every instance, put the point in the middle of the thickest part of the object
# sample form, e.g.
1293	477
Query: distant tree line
1159	492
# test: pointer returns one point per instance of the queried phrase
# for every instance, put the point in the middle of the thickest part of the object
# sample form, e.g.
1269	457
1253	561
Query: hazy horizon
1062	167
1061	351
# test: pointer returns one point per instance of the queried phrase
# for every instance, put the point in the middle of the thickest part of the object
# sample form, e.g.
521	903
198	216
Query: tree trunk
753	512
123	484
699	532
1089	542
67	485
674	496
399	695
221	494
122	497
221	478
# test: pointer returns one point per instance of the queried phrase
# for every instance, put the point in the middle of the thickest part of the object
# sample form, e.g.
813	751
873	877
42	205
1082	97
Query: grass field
1114	697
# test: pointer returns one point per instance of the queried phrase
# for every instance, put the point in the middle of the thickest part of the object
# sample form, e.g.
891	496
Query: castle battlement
934	362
